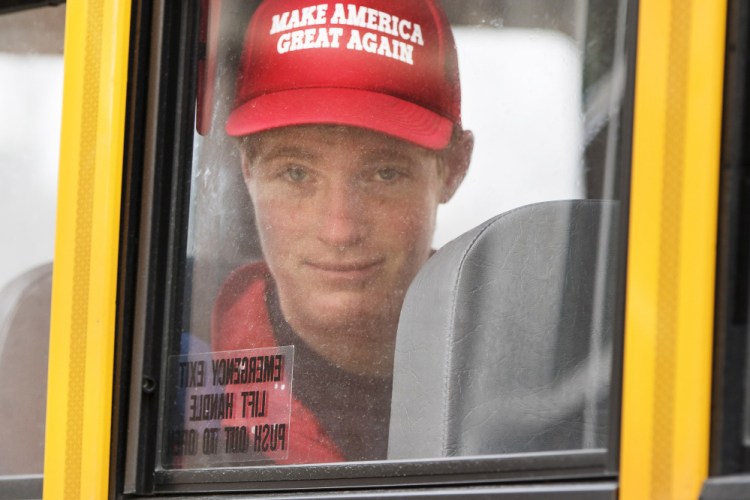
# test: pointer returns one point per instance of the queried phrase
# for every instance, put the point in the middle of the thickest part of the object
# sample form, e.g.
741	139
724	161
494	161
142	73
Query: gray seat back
24	348
504	342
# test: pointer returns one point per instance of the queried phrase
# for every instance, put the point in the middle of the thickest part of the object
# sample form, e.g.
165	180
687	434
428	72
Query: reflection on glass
31	62
338	149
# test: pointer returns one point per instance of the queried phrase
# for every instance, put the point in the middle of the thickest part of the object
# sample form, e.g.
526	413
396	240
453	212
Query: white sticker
228	407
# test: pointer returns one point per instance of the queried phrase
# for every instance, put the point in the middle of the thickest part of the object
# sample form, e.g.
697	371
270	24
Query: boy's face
346	218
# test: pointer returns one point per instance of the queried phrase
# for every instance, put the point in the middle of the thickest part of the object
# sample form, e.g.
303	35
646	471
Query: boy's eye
296	174
387	174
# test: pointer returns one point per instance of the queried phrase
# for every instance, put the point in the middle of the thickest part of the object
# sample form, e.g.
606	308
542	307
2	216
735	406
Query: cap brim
358	108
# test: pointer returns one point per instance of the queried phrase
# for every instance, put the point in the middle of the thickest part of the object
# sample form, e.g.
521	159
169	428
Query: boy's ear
457	157
245	164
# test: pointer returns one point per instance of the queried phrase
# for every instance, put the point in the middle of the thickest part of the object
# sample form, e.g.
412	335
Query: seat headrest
24	346
504	341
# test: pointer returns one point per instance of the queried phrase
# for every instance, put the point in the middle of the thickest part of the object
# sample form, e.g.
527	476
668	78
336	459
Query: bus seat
24	348
504	342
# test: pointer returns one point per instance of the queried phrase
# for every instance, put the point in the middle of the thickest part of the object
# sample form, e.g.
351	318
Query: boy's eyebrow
286	151
388	154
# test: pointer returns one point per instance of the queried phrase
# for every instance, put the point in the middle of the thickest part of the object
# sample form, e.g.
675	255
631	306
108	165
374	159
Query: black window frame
8	6
158	160
730	452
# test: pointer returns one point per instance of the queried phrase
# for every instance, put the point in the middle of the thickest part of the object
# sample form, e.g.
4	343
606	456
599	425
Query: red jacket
241	321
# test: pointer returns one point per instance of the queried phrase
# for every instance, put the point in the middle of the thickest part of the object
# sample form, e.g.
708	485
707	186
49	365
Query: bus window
347	161
31	62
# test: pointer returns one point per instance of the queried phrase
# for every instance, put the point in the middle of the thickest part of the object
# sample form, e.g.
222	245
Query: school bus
580	331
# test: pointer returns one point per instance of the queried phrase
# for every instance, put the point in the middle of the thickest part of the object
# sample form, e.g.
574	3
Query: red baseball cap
384	65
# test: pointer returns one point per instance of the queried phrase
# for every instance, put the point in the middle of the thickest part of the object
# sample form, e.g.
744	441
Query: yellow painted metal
85	271
671	251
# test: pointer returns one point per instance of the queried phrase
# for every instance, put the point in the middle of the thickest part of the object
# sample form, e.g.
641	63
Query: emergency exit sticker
228	408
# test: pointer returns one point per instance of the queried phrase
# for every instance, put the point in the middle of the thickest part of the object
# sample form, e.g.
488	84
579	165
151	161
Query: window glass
31	69
340	149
